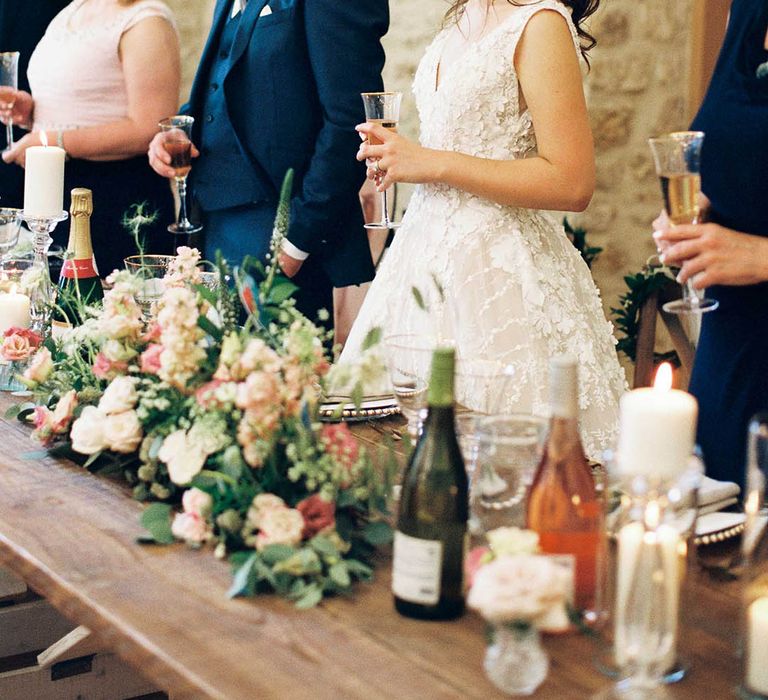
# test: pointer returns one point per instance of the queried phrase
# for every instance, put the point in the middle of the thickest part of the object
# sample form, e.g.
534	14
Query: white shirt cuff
290	249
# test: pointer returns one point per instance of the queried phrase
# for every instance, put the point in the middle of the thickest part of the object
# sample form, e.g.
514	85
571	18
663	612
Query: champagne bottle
563	505
79	282
431	534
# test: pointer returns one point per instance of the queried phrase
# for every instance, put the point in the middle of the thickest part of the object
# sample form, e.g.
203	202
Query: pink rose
153	333
41	366
63	413
43	424
104	368
150	359
318	515
19	343
279	526
197	502
190	527
216	393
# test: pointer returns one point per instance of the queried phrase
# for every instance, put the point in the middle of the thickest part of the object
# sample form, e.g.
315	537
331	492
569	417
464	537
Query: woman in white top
101	78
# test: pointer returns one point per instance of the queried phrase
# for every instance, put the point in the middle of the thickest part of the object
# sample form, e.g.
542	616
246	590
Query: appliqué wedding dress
517	288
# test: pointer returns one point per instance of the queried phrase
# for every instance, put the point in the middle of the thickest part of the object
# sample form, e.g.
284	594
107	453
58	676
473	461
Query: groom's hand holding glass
160	158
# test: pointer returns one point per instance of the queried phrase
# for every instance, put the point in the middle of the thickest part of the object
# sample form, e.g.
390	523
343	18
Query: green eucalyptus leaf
311	597
372	338
340	575
157	519
244	580
377	533
274	553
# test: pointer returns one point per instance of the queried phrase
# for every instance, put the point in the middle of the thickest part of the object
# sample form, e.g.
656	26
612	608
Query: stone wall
193	18
636	88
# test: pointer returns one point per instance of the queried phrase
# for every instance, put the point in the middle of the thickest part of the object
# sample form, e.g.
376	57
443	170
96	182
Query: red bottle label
78	269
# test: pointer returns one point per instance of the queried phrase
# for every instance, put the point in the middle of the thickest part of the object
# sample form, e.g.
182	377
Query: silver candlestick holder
42	227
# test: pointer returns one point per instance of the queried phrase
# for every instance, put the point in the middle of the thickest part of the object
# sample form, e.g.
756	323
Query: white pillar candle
636	574
44	181
14	310
657	429
757	646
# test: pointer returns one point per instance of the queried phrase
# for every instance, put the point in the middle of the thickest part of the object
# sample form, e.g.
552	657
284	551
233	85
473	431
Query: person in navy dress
729	254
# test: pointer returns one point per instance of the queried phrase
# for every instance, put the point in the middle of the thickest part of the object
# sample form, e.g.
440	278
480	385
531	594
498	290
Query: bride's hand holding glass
17	111
395	158
711	254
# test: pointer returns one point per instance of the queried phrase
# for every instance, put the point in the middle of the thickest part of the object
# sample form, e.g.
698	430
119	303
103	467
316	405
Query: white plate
718	527
374	407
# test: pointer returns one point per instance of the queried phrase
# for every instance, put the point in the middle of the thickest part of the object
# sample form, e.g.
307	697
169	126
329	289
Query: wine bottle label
59	328
78	269
416	569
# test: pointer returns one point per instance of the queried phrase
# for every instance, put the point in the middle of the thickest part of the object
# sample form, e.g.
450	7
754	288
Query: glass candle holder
24	294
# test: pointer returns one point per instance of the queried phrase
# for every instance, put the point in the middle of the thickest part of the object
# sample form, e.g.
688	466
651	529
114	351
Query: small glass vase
515	661
9	373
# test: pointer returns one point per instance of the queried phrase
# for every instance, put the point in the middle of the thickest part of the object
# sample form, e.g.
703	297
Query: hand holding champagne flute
677	157
177	141
9	83
382	108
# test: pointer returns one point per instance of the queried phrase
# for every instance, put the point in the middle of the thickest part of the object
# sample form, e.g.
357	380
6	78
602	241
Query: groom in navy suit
278	87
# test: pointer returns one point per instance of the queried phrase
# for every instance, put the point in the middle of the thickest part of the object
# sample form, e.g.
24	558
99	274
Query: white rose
119	325
513	540
119	396
183	457
189	527
262	503
87	433
279	526
122	432
523	588
198	502
40	367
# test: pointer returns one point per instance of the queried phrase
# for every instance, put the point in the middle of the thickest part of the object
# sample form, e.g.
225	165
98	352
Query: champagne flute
177	139
677	157
9	83
382	108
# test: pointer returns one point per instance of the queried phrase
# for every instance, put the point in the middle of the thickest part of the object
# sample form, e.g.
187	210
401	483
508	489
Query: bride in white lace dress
504	135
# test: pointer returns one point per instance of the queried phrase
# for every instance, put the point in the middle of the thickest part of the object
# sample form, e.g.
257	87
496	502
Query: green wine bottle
431	535
79	282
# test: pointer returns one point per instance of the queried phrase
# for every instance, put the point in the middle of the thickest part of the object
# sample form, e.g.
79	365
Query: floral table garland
194	409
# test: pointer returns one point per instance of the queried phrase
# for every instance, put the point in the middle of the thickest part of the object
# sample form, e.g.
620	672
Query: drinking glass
177	138
151	270
10	225
677	157
508	450
9	84
409	361
382	108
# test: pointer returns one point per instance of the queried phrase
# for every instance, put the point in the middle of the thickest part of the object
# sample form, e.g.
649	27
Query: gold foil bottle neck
82	202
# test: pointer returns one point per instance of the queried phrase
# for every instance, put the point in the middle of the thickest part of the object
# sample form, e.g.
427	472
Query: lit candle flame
43	139
663	380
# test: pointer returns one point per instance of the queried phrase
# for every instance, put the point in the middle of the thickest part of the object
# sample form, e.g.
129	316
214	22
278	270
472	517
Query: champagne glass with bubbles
677	157
382	108
9	84
177	139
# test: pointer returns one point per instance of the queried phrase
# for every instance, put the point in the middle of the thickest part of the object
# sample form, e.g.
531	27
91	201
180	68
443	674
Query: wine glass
382	108
409	361
677	157
10	225
150	269
177	139
9	83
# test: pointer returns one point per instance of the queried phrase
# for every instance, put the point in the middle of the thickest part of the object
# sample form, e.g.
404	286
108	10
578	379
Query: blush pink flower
104	368
318	515
150	359
63	413
19	343
339	442
43	422
197	502
153	333
190	527
280	526
41	366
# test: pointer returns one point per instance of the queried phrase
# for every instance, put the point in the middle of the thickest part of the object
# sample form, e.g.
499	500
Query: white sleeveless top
76	75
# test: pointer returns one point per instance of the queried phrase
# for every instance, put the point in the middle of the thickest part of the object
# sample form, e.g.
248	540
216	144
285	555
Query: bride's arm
562	175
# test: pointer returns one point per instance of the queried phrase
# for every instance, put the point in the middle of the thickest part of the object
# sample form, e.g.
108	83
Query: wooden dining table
71	536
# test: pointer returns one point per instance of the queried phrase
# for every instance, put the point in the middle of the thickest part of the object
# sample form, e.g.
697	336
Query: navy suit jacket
293	97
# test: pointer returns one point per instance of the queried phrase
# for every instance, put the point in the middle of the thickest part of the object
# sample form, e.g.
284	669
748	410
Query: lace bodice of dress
475	109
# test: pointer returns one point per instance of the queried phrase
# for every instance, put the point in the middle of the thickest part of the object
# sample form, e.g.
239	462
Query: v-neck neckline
438	80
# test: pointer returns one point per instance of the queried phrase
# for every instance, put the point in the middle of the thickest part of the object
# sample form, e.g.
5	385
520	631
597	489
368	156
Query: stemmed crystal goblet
177	139
9	84
10	224
382	108
677	157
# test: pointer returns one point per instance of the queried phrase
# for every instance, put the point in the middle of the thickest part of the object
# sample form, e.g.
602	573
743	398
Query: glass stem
181	183
9	134
689	293
385	209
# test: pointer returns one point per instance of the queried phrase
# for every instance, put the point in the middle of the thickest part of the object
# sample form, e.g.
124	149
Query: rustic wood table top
72	536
